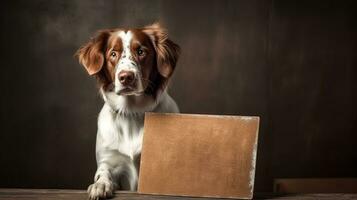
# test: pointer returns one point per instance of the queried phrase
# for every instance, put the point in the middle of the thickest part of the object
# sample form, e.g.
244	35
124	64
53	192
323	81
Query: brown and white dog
133	67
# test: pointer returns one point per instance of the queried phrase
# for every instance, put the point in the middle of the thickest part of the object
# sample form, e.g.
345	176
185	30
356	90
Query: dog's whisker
151	84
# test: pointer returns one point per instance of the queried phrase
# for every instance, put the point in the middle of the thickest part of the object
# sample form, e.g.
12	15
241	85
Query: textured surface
27	194
198	155
311	185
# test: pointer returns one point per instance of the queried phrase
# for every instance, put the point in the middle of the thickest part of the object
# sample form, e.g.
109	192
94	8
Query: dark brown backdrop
291	62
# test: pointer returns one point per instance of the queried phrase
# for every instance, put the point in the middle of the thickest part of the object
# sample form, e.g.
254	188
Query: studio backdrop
293	63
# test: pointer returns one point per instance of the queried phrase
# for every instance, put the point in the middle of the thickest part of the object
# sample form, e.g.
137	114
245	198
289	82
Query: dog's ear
167	51
91	55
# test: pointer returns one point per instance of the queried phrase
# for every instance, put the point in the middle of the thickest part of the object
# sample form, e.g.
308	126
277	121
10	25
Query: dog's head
131	61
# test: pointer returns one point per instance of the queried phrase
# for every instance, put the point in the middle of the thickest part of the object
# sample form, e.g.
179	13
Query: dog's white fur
120	132
126	63
119	141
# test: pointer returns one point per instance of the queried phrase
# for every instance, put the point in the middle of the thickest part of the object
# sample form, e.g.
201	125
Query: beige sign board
199	155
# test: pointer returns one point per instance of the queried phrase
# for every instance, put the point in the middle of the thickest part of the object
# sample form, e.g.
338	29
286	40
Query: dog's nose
126	78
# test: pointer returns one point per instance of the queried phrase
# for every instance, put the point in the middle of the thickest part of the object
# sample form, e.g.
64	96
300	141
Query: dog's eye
140	52
113	54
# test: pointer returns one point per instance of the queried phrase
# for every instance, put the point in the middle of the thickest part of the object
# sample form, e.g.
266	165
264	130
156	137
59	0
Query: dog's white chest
130	134
120	132
124	131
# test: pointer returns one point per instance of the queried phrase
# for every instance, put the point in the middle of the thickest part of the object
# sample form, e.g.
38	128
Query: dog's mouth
126	91
129	91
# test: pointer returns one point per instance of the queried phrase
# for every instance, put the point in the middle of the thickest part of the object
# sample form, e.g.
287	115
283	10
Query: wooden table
51	194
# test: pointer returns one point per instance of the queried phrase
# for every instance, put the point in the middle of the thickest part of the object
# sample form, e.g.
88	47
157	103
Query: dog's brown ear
167	51
91	55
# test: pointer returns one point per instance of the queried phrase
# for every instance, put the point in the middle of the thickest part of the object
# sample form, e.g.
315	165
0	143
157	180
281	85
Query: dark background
293	63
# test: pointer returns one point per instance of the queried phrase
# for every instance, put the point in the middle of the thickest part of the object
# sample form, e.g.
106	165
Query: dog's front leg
103	186
113	168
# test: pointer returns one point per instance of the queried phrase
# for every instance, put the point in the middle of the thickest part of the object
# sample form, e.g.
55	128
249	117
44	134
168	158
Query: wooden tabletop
46	194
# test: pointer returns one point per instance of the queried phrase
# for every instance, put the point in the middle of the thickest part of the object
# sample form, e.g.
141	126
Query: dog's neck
130	105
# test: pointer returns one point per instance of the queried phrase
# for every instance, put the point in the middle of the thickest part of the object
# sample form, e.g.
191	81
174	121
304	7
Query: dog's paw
100	190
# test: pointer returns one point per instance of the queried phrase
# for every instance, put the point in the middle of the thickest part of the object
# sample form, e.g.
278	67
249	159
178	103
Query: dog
133	68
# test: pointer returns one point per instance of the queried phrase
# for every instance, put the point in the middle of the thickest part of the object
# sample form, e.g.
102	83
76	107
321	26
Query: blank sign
199	155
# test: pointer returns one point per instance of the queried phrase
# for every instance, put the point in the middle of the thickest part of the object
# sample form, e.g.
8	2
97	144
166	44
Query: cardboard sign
199	155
